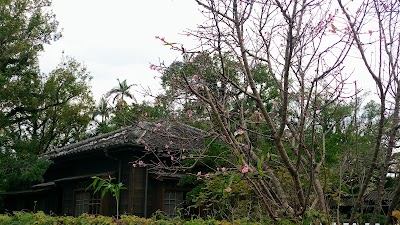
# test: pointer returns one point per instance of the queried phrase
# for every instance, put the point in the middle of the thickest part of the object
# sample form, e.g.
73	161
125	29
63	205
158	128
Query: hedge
40	218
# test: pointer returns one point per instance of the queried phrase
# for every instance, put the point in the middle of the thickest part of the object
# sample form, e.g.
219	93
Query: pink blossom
218	168
172	157
228	189
162	39
141	163
207	175
134	165
245	169
166	146
240	131
189	113
273	102
184	157
223	169
198	175
158	125
247	111
169	152
196	76
370	32
157	37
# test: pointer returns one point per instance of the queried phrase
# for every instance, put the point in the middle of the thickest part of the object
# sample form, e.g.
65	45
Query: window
86	202
173	200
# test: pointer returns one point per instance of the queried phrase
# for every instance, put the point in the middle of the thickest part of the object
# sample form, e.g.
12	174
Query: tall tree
102	109
37	111
375	28
26	25
121	91
267	101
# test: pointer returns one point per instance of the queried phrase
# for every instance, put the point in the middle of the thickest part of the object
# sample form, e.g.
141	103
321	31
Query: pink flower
189	113
218	168
207	175
273	102
169	152
141	163
228	189
172	157
162	39
370	32
240	131
184	157
158	125
198	175
196	76
223	169
134	165
166	146
247	111
245	169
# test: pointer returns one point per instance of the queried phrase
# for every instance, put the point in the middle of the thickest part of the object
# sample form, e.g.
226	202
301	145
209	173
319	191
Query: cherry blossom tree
261	77
375	28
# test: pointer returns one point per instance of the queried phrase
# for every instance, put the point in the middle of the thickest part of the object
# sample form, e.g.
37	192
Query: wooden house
133	155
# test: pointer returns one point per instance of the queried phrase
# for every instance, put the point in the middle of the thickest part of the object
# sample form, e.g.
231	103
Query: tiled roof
172	135
373	195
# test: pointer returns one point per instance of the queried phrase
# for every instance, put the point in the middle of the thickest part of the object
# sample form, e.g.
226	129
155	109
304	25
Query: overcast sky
116	39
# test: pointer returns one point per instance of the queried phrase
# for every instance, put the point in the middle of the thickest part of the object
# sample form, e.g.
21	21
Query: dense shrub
39	218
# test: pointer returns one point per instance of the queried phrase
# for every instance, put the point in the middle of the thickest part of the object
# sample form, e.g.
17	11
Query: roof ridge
85	141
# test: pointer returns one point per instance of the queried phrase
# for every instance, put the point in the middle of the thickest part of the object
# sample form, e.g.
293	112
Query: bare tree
375	28
263	73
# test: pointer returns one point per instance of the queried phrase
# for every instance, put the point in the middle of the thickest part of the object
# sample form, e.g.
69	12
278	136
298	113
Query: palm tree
102	110
121	91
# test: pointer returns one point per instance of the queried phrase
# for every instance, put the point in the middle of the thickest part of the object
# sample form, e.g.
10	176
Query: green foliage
124	115
108	186
225	196
121	91
38	111
56	113
39	218
20	170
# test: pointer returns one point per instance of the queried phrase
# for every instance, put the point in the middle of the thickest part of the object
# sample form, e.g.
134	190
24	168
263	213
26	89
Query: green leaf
99	185
103	193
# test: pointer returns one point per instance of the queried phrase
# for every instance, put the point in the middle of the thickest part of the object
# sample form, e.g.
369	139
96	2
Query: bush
39	218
